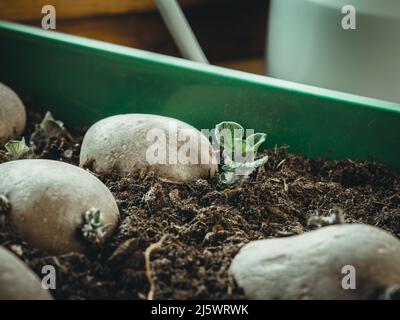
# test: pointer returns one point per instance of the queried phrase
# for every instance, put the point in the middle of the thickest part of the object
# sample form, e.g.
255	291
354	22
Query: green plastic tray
82	80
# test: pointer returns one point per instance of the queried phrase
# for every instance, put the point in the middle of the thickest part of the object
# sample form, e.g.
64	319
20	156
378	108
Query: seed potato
50	201
17	281
313	265
122	144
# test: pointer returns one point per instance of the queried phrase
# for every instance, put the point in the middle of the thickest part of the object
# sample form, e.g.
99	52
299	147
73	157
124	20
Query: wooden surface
31	9
231	32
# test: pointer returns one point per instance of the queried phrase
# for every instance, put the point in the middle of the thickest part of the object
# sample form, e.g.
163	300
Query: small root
285	186
151	276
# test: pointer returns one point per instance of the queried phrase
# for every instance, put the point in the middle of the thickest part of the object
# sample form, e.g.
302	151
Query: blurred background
232	33
302	41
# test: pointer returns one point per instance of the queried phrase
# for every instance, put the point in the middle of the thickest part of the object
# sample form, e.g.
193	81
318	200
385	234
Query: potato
314	265
49	200
12	115
17	281
130	142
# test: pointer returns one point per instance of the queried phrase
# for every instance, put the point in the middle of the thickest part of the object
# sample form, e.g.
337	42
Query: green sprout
93	229
5	207
47	129
18	150
335	217
238	154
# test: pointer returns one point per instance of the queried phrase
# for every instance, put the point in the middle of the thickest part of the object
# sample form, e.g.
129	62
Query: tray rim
157	58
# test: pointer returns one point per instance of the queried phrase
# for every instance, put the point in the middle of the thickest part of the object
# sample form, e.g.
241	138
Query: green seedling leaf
255	141
260	162
47	129
239	149
335	217
244	146
229	178
238	154
236	166
237	172
93	229
231	167
50	125
232	178
227	133
18	150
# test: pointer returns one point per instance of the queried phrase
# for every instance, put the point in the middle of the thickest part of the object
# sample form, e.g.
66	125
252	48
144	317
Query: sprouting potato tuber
49	201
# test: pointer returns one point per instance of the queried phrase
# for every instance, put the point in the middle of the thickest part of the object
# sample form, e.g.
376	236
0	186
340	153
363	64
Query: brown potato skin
12	115
48	200
119	144
17	281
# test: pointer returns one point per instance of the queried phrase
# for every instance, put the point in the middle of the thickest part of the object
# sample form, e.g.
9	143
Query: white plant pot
307	44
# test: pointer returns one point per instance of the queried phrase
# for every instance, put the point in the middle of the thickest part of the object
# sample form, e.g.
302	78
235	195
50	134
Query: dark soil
206	223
